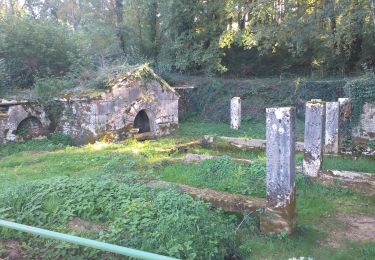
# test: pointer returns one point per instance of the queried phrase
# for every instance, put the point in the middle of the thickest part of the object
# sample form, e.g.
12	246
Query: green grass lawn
46	184
252	129
350	163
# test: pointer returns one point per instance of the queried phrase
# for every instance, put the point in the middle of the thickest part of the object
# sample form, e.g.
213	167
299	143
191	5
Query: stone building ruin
136	102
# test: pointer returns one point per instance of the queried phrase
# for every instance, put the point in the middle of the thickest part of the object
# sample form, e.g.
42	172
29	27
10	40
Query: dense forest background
62	43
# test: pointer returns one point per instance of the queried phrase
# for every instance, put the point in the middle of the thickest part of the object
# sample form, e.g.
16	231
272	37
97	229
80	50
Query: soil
81	225
359	228
12	250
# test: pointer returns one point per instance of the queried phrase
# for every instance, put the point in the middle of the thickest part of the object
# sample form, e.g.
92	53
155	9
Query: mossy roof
131	73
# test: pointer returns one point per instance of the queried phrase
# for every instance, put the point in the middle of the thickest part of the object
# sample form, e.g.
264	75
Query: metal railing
84	241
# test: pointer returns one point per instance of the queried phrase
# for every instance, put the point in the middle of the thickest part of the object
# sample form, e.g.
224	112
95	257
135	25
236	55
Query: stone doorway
30	128
142	122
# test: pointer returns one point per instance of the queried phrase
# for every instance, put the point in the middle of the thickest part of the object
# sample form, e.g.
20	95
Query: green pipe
84	241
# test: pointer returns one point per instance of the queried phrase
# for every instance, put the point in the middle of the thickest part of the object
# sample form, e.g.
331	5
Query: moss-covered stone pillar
235	113
331	144
279	215
345	129
314	137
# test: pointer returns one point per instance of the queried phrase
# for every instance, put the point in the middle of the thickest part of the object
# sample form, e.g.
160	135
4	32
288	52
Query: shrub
328	90
59	138
33	48
48	88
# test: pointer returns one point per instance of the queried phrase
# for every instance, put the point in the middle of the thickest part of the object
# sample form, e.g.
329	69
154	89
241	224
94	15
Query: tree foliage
244	37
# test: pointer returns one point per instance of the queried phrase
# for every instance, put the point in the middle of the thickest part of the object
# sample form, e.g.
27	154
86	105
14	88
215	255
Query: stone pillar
279	215
345	107
314	137
235	113
345	130
331	144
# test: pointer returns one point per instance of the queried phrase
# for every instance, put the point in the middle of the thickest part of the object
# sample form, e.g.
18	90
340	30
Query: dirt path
358	228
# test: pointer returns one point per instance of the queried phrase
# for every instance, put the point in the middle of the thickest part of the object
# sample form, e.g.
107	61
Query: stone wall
366	127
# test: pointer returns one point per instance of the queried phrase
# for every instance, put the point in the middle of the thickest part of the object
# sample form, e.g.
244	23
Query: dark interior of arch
142	122
29	128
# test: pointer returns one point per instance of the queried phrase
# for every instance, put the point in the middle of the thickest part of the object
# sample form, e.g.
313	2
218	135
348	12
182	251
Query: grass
349	163
220	174
252	129
51	182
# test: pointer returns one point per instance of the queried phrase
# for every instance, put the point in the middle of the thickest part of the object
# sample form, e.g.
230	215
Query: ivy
361	90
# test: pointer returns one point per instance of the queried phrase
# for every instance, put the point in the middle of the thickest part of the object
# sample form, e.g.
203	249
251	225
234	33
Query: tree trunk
154	28
120	23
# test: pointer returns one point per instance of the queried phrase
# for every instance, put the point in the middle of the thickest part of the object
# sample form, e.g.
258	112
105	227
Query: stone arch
25	114
142	122
146	109
29	128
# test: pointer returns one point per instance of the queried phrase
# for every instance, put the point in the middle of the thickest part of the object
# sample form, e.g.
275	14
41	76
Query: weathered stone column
314	137
345	130
279	215
331	144
235	113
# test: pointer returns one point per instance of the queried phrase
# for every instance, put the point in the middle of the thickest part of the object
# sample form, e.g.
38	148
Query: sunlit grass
22	163
252	129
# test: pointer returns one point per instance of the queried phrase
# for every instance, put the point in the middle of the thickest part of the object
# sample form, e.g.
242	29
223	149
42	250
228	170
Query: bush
33	48
48	88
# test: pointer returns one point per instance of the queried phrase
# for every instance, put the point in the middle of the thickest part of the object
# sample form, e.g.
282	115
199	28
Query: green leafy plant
161	221
360	90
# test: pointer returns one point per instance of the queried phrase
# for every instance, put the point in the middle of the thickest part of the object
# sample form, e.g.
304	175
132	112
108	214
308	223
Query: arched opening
30	128
142	122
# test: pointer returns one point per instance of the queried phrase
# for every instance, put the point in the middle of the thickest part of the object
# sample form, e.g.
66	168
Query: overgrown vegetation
49	184
47	47
164	222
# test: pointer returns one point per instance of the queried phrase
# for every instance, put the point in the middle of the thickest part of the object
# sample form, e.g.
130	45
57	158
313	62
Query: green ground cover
48	183
349	163
251	128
